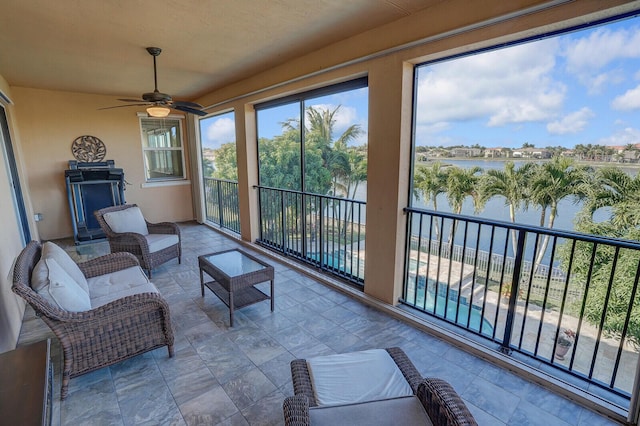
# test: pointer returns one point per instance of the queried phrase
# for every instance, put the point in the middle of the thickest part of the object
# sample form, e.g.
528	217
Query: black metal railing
564	299
326	232
221	203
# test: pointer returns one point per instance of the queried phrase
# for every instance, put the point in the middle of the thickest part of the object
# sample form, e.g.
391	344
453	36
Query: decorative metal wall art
88	149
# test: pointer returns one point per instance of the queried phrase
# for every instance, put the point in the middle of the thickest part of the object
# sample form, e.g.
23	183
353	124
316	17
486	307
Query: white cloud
601	47
571	123
511	85
623	137
220	131
629	101
587	56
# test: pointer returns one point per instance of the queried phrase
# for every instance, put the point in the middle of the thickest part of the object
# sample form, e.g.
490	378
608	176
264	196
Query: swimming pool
457	308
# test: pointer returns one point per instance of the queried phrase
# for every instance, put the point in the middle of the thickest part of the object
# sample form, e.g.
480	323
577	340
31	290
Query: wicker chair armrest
163	228
409	371
296	411
107	264
126	305
62	316
131	239
443	404
302	380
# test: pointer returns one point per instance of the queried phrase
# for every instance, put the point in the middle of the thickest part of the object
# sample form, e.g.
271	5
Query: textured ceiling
98	46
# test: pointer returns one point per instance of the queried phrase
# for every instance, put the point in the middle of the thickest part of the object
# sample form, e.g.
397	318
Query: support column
389	152
247	158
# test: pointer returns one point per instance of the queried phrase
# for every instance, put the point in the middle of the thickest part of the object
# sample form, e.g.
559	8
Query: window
328	154
218	136
220	170
162	148
312	154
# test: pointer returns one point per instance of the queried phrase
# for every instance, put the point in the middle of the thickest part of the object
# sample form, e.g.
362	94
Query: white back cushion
63	291
356	377
40	274
127	220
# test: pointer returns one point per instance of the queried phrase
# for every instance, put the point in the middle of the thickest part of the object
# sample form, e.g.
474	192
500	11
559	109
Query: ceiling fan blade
187	104
189	110
132	100
122	106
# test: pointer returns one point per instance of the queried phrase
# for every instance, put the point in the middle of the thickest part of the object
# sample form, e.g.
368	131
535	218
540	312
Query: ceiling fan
160	103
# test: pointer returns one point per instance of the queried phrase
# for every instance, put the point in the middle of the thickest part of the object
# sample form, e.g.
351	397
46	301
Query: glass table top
234	263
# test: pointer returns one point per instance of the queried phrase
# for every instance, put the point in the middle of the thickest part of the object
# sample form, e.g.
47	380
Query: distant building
532	153
497	153
626	155
466	152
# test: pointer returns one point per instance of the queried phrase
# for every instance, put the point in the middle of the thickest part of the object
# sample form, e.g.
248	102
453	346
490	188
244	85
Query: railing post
220	204
206	190
283	220
321	230
515	287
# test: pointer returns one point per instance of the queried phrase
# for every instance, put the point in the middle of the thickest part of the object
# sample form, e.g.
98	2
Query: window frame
160	181
301	98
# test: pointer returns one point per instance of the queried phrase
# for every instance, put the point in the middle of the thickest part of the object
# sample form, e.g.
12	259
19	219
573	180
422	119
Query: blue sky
582	87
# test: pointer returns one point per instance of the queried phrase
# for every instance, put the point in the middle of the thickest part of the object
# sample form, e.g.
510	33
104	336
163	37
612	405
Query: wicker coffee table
235	274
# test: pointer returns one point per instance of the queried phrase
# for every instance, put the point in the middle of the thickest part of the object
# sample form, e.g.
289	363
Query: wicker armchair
442	404
138	243
104	335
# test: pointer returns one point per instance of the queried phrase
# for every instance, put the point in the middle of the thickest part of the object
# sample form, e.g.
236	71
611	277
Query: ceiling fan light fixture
158	111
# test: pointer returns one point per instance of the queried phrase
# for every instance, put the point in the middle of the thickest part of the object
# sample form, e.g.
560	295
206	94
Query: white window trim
149	183
168	182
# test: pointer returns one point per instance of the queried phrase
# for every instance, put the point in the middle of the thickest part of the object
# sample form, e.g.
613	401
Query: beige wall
49	121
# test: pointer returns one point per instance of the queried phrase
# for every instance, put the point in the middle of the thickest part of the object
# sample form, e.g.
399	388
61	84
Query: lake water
496	208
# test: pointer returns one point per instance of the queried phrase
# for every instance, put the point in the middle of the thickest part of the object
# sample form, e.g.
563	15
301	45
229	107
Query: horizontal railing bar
311	194
622	243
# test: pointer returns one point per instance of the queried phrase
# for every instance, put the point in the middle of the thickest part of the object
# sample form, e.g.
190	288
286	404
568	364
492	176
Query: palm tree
616	189
513	185
463	183
320	126
430	182
554	181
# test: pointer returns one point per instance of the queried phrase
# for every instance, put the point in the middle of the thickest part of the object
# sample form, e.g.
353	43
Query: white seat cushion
40	274
158	242
107	288
405	411
127	220
356	377
62	290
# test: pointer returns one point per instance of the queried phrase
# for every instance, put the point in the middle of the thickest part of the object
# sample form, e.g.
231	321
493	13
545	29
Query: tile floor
240	375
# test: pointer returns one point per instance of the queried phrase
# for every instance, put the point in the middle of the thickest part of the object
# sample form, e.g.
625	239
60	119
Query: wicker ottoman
431	400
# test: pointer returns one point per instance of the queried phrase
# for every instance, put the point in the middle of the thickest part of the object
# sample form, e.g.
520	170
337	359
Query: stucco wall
49	121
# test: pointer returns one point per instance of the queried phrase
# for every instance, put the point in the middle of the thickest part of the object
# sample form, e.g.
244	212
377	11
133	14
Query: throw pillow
55	252
63	291
127	220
